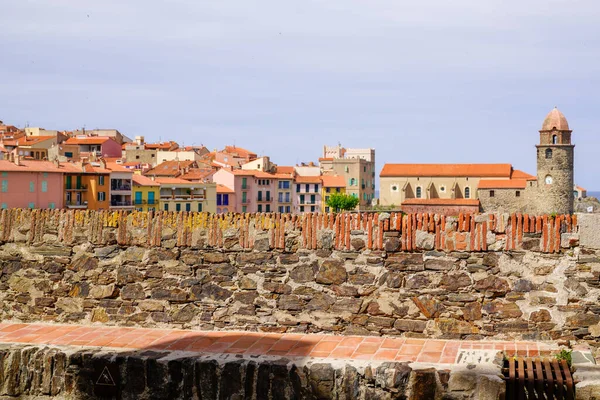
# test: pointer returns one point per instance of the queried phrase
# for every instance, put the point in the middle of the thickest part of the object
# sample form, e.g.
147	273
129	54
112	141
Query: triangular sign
105	378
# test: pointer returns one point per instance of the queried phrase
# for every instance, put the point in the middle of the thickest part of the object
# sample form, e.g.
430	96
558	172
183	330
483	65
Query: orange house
87	185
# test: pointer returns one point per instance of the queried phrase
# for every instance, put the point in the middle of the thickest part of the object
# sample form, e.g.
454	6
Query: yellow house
181	195
331	184
146	193
87	185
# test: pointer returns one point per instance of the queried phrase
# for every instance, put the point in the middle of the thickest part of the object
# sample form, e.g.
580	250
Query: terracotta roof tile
517	174
285	169
224	189
141	180
439	202
172	180
29	166
502	184
88	140
170	168
333	181
308	179
475	170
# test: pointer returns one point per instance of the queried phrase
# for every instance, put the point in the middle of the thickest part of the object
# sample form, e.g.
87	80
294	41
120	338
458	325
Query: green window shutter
5	186
51	206
31	205
44	186
31	187
4	205
4	174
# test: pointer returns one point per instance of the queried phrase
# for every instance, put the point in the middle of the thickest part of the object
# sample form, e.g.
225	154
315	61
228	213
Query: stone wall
378	274
84	373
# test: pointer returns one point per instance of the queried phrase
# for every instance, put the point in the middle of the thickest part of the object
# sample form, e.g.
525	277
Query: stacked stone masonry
474	276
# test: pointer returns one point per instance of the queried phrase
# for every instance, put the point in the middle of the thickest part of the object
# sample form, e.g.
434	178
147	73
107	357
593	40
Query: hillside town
103	169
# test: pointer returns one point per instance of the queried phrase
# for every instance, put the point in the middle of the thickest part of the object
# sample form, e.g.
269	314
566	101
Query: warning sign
105	378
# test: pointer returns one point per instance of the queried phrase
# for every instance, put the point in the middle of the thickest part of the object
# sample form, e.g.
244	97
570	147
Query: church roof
555	120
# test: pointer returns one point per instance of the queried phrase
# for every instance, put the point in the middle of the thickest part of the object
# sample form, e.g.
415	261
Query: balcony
245	201
149	202
77	204
265	200
182	197
121	203
76	188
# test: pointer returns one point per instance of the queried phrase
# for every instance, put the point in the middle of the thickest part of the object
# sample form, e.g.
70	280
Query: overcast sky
419	81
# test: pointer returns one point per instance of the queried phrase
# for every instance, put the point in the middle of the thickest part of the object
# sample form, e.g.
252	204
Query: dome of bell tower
555	120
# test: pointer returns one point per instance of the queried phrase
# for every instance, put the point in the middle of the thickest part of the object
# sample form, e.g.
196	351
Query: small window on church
418	192
443	189
467	193
492	193
554	139
518	193
548	153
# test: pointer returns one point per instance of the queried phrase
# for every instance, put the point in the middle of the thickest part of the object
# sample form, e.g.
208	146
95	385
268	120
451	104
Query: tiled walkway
253	343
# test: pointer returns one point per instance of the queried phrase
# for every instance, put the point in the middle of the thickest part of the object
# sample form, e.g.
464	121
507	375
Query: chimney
56	162
17	159
102	162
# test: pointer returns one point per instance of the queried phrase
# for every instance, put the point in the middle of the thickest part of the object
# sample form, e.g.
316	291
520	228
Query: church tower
555	166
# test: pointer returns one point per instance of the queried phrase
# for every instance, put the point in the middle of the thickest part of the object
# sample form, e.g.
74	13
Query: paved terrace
364	348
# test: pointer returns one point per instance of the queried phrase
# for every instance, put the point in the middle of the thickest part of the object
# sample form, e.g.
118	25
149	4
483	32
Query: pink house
30	184
99	146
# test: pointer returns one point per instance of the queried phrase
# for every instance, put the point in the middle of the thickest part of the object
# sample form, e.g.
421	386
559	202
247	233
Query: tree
342	201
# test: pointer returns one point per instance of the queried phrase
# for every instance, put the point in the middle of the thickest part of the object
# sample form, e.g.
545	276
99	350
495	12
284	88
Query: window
259	196
301	208
226	199
137	157
337	190
268	208
394	188
101	180
268	195
443	189
548	153
284	184
45	174
4	174
326	199
178	207
44	186
554	139
68	154
31	186
4	205
364	196
288	209
301	199
287	197
199	207
467	192
307	188
312	208
101	196
327	190
518	193
244	199
364	169
297	188
219	199
244	209
31	205
352	182
188	207
244	183
260	208
418	194
316	187
166	207
281	209
51	206
326	209
313	199
346	168
492	193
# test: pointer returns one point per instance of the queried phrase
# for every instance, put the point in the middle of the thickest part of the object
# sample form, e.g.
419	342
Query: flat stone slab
289	345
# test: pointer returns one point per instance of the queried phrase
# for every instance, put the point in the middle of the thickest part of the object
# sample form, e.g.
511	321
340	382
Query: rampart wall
475	276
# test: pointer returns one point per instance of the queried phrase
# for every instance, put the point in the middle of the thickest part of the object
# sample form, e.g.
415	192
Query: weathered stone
169	294
287	259
438	264
351	305
503	310
80	289
247	283
430	307
359	277
303	273
357	244
523	285
212	292
275	287
128	275
453	282
290	302
425	240
472	311
410	325
332	272
216	258
99	315
103	291
345	290
405	262
71	305
423	384
392	244
583	320
20	283
462	381
245	297
253	258
457	327
83	262
540	316
490	259
417	281
574	286
185	314
133	292
493	285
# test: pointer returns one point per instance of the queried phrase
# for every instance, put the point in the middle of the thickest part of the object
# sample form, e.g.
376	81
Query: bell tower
555	166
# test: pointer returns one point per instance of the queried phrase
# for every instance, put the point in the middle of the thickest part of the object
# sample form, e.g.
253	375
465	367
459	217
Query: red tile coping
256	343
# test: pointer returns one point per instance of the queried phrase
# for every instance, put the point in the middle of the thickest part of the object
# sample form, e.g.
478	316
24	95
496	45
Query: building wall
145	190
325	196
452	210
504	200
17	191
141	155
308	205
110	148
285	204
93	187
163	156
388	197
356	172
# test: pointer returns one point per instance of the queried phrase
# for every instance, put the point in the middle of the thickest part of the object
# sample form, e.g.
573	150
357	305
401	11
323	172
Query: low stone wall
319	273
67	373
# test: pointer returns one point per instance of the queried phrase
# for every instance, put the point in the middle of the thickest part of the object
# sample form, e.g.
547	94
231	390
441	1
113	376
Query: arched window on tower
554	139
467	192
548	153
418	192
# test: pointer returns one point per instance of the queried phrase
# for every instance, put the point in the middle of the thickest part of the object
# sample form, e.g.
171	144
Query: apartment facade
96	146
225	199
87	185
30	184
307	194
180	195
332	184
146	193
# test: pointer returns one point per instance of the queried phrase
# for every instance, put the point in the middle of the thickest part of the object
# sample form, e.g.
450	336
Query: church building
453	188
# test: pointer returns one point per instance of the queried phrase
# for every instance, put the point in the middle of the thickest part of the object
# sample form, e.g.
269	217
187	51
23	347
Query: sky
431	81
